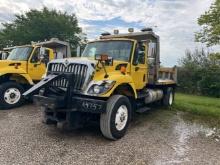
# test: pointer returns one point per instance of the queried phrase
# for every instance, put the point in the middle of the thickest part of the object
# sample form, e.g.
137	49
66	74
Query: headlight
101	87
97	89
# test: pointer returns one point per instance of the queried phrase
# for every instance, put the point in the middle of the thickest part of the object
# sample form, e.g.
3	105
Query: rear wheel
11	95
168	98
115	121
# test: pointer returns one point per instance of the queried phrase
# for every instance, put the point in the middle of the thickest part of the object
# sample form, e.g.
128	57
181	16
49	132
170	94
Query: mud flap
40	85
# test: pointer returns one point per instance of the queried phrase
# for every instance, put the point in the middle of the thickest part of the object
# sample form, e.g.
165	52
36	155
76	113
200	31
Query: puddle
186	129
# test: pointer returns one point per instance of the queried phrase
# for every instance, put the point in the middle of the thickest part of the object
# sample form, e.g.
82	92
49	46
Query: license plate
90	106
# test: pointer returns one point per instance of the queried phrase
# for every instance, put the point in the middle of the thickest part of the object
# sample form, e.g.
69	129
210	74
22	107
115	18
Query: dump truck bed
167	76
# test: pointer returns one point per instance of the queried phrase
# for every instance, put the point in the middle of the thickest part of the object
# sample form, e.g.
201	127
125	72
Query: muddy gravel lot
156	137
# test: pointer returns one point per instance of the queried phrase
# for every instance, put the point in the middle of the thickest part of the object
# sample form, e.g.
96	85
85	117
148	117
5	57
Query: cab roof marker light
147	29
130	30
105	34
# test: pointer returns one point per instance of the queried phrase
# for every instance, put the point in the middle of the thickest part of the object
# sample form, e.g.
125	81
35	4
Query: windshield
118	50
20	54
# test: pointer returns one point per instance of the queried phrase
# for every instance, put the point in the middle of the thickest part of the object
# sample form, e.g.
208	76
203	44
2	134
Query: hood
93	72
5	63
8	66
78	60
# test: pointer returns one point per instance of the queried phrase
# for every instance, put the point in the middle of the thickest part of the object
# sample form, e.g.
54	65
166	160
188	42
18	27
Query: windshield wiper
103	65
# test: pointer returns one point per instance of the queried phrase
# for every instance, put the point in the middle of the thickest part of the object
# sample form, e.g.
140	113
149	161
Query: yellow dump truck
115	77
25	66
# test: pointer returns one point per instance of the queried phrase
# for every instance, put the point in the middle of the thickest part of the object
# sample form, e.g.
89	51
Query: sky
175	21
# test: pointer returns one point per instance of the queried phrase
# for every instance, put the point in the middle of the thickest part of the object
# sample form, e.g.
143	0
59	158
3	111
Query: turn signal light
16	66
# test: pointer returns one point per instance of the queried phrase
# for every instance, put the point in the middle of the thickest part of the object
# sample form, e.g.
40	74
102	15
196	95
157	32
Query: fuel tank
153	95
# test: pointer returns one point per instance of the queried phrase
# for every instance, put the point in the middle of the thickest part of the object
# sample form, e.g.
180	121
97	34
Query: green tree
199	73
210	22
40	25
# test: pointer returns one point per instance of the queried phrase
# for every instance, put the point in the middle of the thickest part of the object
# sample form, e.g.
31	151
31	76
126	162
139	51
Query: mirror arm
106	74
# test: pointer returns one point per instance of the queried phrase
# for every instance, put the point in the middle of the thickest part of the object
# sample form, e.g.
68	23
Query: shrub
200	73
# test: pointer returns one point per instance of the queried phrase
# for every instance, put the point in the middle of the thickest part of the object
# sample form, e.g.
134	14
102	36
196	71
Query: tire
168	98
11	95
114	122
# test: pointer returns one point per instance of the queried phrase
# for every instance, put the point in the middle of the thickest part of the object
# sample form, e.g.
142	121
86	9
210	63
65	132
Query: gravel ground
157	137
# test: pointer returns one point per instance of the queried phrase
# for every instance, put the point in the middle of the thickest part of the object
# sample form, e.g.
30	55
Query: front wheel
115	120
11	95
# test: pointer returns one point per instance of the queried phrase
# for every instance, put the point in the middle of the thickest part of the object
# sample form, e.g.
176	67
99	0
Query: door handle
137	68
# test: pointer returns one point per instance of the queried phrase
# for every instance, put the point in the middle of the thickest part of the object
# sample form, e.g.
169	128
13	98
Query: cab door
139	66
36	67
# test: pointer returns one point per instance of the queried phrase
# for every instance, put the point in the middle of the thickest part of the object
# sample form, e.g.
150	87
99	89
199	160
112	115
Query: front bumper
77	103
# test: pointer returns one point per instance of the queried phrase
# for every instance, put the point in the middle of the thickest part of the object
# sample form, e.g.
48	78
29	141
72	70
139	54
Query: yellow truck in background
25	66
115	77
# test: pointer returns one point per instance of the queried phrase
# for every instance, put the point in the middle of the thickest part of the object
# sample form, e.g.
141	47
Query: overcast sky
175	21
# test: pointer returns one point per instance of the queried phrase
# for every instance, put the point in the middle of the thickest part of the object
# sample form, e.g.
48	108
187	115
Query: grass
197	104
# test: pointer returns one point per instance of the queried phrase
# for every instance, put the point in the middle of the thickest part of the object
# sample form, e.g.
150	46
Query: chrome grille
78	72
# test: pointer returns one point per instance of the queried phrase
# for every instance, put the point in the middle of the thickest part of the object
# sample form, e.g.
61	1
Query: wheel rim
121	117
171	99
12	95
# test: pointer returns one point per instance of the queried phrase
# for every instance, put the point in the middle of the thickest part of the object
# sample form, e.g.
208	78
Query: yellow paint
28	70
136	75
36	70
117	76
139	72
136	78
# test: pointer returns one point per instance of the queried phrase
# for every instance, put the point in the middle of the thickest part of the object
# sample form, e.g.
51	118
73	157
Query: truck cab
24	67
115	77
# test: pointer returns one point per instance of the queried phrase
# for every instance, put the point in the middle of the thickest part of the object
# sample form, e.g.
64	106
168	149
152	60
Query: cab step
143	109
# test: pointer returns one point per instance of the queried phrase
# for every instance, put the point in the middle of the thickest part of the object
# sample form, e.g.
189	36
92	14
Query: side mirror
151	61
141	52
142	48
43	56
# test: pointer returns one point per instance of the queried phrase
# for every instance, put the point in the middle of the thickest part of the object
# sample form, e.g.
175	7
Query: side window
60	55
36	56
135	61
47	55
92	52
141	54
139	57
